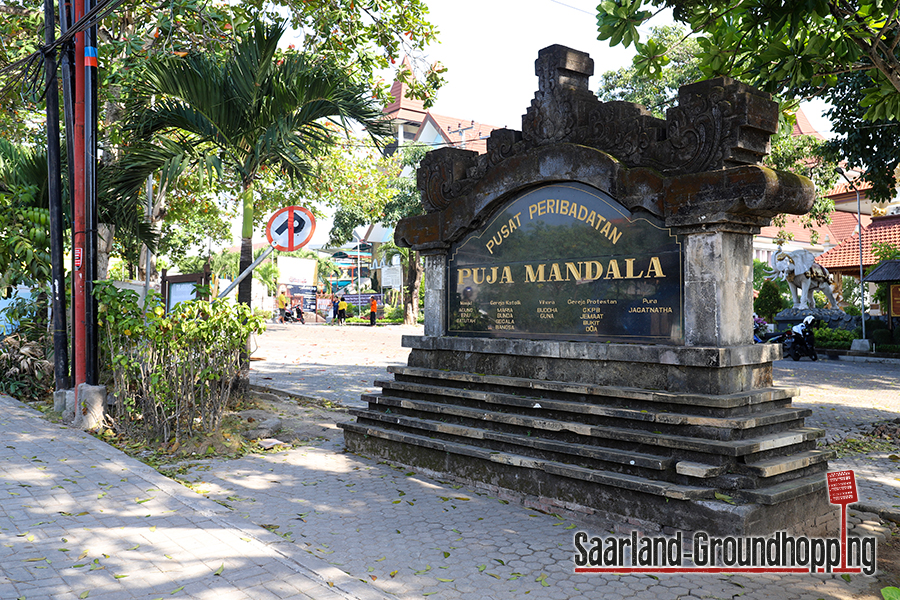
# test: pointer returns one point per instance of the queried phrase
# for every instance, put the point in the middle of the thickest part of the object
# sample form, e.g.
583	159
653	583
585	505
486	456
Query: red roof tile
474	135
845	257
408	109
804	127
842	225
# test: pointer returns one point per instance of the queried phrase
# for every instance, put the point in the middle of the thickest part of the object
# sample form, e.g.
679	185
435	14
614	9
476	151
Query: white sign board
392	277
297	271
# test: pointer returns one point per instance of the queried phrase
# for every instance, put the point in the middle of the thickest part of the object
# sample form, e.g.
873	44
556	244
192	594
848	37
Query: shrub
769	302
834	338
393	313
171	373
882	337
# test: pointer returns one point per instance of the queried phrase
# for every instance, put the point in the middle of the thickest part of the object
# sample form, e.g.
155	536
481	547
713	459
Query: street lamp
862	292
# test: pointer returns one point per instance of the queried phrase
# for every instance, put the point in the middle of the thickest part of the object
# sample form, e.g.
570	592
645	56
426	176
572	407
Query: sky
489	47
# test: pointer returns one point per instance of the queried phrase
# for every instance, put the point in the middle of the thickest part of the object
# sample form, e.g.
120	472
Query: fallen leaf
220	569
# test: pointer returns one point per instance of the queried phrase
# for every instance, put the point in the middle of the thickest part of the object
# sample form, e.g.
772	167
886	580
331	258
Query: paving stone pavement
80	519
371	529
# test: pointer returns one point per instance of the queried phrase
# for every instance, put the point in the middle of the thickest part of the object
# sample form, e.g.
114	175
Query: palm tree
252	110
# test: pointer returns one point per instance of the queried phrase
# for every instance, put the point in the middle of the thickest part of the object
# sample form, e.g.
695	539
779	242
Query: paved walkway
79	519
346	526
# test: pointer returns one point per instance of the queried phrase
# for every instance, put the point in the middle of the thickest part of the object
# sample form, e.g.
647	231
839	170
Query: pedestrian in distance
373	311
334	309
342	311
281	303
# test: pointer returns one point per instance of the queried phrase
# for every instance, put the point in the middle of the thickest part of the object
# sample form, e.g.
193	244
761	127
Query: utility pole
68	80
462	131
58	277
79	218
92	333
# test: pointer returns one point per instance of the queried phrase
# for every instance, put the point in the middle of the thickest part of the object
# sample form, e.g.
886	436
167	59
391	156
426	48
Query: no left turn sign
290	228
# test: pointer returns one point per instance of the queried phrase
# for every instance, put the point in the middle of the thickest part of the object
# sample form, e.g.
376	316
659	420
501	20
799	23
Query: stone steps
731	448
756	400
534	404
749	446
617	480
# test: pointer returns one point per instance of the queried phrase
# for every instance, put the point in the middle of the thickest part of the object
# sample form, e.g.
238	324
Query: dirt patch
302	420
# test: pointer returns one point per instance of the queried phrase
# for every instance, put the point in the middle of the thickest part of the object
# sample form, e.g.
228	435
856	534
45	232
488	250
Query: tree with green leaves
793	49
802	155
769	302
255	109
397	197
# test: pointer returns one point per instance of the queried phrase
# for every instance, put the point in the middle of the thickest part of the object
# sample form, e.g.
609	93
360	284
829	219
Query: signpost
288	229
842	490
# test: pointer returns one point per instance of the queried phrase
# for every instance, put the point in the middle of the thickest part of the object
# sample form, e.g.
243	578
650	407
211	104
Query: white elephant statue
802	273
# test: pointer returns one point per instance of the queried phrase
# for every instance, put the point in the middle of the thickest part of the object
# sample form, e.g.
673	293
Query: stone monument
588	334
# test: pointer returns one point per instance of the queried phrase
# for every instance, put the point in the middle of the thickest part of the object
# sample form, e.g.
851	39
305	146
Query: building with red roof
412	122
844	221
844	258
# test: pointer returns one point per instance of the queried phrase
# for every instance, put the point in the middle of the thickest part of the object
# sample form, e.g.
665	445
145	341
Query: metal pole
862	291
92	332
248	270
79	321
68	79
147	248
54	191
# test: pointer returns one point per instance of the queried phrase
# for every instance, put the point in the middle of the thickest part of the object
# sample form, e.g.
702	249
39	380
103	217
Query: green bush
171	374
26	372
834	338
769	302
393	313
882	337
890	348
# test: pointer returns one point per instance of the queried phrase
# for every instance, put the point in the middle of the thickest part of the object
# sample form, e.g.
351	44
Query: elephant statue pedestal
832	317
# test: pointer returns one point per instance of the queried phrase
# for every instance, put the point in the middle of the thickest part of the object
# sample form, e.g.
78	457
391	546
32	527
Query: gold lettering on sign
503	233
580	272
578	212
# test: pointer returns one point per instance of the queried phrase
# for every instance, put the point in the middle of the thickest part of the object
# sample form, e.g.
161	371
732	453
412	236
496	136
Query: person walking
342	311
281	304
373	311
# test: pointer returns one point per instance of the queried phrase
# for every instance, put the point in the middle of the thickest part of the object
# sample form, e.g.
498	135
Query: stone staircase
557	439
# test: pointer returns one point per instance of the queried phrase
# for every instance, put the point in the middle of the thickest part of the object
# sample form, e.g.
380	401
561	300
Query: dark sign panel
566	261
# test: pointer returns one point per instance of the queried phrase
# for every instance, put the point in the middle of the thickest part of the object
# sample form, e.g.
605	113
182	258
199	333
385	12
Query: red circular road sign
290	228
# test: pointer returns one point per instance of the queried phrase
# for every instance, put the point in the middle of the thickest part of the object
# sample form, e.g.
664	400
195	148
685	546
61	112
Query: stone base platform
736	462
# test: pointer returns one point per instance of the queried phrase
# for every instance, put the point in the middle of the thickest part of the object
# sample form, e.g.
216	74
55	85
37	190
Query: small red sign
841	487
77	258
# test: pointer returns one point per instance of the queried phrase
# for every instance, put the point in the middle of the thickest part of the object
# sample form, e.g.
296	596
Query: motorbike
797	345
294	315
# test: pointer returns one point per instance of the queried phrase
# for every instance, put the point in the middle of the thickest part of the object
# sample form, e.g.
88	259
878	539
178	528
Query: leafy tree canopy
794	49
803	155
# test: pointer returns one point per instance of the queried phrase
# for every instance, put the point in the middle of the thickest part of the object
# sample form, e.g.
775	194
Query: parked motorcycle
799	341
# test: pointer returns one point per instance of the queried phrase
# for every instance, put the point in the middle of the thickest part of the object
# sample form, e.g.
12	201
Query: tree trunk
414	276
105	232
245	287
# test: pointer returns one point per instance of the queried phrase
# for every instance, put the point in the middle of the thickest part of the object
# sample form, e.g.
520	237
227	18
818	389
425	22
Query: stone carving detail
624	130
442	176
717	124
501	145
562	86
